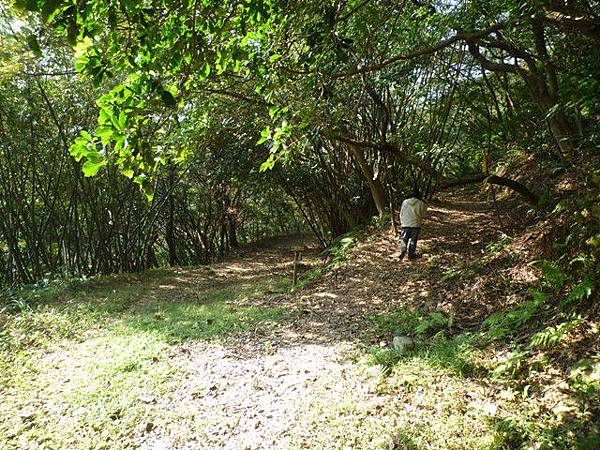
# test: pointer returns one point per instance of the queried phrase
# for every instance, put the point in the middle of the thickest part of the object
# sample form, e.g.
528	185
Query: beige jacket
412	212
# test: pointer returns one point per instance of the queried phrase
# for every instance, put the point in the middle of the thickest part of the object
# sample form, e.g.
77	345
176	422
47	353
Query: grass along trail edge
227	357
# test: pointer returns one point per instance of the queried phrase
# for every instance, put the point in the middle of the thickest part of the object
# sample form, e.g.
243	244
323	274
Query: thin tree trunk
377	191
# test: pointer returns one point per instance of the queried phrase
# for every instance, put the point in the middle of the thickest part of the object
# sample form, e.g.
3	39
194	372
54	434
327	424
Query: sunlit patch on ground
229	356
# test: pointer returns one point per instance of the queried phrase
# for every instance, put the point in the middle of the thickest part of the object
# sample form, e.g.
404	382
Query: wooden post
295	275
393	217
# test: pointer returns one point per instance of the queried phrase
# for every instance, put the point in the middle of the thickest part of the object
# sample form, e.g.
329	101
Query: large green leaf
91	167
34	45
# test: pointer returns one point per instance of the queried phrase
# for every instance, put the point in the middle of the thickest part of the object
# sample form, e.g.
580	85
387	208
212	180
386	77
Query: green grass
439	373
80	362
85	395
212	319
410	322
425	407
137	303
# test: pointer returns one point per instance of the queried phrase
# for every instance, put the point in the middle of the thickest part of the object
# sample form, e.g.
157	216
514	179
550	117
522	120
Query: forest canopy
250	118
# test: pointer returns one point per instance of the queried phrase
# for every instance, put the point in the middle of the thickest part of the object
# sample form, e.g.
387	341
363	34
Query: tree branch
528	195
49	74
582	24
520	188
490	65
428	50
237	96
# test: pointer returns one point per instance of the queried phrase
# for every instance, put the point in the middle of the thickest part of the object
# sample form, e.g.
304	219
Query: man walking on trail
411	217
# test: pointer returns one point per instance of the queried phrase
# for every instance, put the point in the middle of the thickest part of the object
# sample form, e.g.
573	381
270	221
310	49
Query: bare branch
582	24
528	195
428	50
491	65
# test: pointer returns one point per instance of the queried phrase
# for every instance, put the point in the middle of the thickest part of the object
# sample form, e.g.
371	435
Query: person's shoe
413	257
401	257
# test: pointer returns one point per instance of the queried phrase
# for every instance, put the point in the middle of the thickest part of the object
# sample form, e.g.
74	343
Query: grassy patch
410	322
488	386
458	355
506	323
462	271
214	317
335	254
500	244
416	406
50	314
431	344
91	394
81	364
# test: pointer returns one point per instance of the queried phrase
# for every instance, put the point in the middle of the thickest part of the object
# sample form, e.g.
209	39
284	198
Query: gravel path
259	390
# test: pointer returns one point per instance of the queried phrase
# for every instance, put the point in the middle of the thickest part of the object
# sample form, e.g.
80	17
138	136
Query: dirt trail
259	389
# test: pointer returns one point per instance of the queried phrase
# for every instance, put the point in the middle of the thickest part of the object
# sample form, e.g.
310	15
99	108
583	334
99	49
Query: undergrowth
333	255
512	348
82	362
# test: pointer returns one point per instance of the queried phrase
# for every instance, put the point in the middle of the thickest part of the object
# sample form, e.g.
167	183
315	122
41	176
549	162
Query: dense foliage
258	117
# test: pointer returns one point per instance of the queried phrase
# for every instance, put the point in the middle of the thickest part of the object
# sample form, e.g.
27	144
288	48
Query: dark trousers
408	239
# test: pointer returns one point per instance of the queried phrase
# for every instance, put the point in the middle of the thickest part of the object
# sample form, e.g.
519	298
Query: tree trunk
232	232
377	191
559	126
170	231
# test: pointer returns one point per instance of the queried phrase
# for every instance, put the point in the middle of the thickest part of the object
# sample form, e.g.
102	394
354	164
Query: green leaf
119	141
167	98
274	112
581	291
145	184
91	167
553	274
34	45
115	121
105	133
265	135
78	151
268	164
122	119
128	173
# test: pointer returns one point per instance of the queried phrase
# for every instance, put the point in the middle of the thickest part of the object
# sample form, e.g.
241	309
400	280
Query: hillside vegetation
199	205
